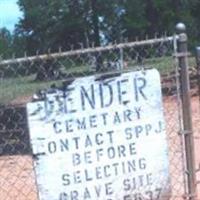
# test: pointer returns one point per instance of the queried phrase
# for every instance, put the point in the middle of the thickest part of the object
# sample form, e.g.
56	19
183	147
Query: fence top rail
87	50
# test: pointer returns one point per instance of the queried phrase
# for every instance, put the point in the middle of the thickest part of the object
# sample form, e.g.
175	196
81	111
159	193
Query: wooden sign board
101	139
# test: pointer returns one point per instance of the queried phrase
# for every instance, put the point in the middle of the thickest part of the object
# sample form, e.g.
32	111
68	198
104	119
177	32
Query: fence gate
28	78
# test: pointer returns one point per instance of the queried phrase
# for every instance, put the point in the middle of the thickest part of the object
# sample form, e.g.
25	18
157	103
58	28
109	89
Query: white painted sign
101	140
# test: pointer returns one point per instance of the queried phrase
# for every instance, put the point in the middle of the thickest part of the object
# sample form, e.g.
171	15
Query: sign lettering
101	139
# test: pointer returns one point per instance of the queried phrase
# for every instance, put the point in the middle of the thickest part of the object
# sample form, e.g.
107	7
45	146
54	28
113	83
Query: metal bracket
185	132
181	54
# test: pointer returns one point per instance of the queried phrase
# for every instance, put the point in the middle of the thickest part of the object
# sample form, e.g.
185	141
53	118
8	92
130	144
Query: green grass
163	64
12	88
20	87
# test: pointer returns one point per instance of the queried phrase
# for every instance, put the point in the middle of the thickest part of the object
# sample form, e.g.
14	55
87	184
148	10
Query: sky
9	14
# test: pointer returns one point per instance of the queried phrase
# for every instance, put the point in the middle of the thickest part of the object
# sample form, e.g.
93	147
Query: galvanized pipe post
198	69
186	110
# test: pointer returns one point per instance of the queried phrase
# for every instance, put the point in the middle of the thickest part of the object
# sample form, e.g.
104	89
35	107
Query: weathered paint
101	139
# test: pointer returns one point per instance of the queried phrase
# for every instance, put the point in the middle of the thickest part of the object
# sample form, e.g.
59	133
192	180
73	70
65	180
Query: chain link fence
28	78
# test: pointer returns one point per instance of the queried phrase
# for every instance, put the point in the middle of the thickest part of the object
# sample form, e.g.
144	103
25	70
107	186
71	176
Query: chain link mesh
26	78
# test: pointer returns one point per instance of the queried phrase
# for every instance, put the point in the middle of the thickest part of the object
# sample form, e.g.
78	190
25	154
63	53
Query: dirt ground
17	181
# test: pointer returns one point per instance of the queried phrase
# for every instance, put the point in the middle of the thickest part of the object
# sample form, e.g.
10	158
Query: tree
147	17
53	23
6	41
195	29
49	24
134	22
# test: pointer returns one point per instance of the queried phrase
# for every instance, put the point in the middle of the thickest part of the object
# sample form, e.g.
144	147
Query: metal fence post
198	68
186	111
